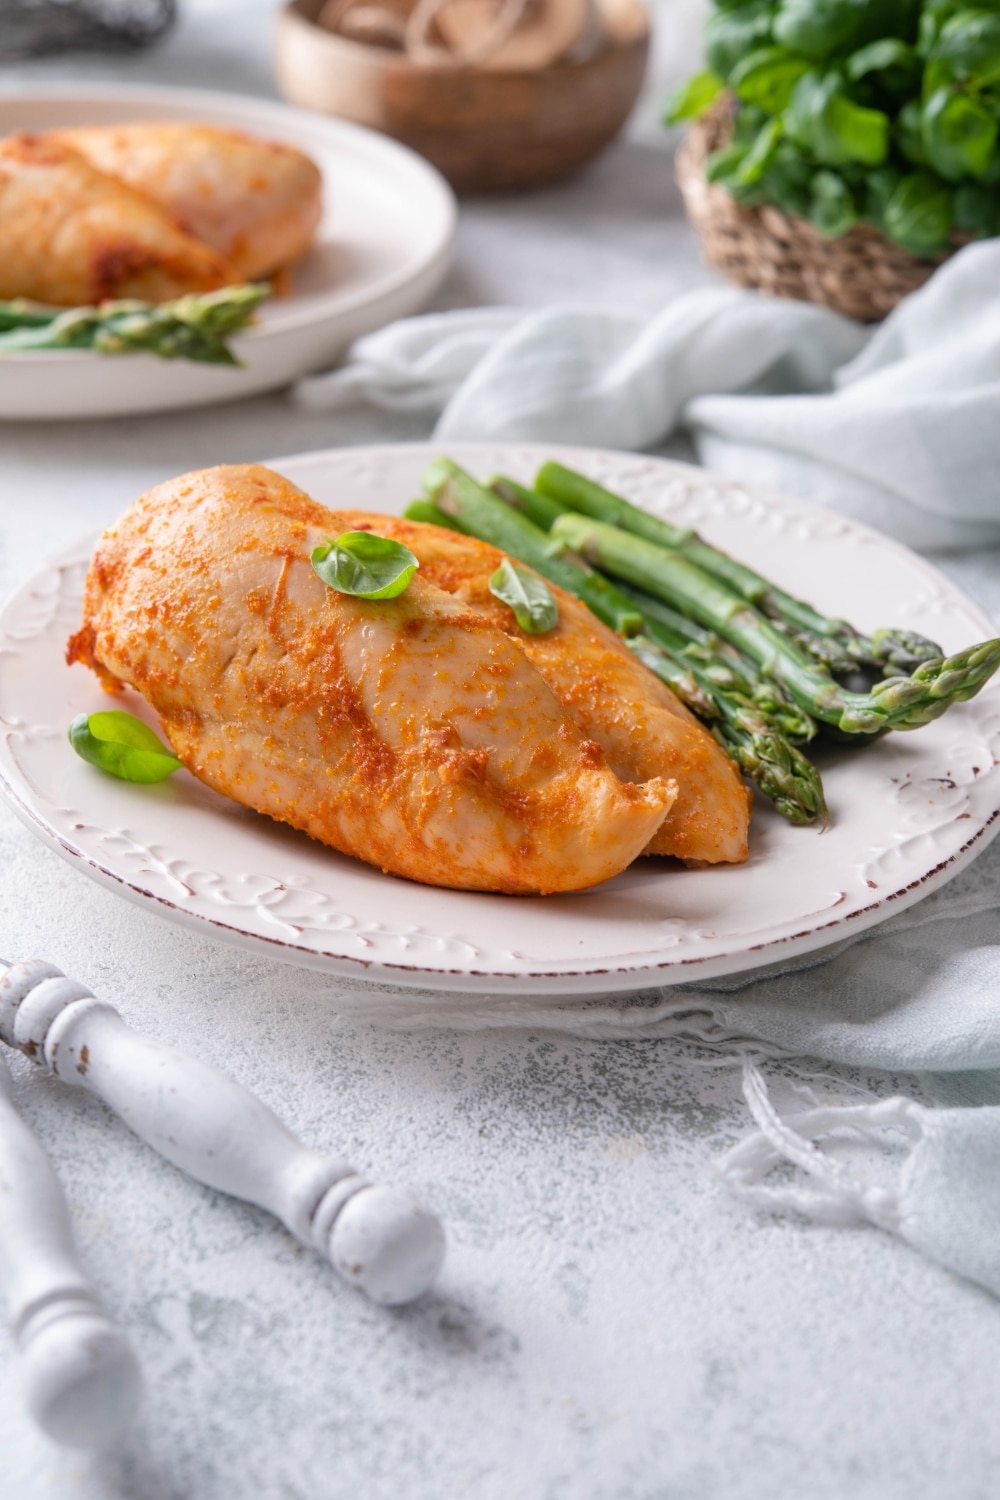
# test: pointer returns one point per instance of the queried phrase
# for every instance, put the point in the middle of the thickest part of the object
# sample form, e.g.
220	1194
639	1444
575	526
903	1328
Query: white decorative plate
906	813
381	251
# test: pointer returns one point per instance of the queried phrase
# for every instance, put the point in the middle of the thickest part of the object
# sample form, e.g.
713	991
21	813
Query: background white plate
907	813
381	251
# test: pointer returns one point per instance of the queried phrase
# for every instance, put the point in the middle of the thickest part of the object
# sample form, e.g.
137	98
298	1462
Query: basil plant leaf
787	179
746	123
122	745
977	211
821	119
760	155
832	208
529	596
364	565
879	57
817	28
766	78
731	34
881	183
888	71
960	135
968	47
918	216
909	132
694	98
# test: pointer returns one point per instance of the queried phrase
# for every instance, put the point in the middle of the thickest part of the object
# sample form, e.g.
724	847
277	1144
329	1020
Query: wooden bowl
485	131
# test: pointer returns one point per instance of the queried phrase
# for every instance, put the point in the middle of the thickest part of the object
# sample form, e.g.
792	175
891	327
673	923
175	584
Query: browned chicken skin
69	235
414	733
255	202
610	696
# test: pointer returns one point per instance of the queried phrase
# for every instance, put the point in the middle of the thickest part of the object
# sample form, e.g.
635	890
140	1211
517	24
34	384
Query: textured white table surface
611	1325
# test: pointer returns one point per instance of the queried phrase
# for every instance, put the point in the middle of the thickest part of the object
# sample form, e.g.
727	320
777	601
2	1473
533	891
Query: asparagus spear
194	327
764	755
834	643
687	639
538	508
732	673
668	574
710	690
477	511
693	642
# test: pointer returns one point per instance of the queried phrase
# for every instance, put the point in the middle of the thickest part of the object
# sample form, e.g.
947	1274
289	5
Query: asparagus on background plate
194	327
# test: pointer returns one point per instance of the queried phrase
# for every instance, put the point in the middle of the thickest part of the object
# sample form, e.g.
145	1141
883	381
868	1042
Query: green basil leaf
766	78
364	565
821	29
788	178
529	596
817	28
760	155
969	44
747	123
878	57
832	208
960	135
693	98
721	166
122	745
887	72
909	132
731	34
821	119
918	216
935	15
977	210
932	18
880	185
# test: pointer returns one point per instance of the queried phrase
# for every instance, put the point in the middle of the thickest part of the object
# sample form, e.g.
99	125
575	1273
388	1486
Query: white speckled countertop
611	1325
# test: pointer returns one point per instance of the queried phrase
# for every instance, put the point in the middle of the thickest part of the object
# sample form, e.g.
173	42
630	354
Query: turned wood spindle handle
203	1121
80	1378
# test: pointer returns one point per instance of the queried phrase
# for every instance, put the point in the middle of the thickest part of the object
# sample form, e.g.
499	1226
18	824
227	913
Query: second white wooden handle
79	1377
378	1238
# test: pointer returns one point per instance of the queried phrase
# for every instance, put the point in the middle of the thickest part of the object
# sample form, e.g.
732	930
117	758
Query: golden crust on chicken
609	695
415	733
256	202
69	235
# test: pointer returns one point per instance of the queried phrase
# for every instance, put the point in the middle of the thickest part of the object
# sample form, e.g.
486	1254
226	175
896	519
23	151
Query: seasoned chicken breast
414	733
609	695
256	202
70	235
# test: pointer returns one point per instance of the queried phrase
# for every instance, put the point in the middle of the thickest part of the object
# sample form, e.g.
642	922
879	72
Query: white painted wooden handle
378	1238
79	1376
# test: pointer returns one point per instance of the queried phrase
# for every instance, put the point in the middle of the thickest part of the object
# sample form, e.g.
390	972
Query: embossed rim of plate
937	760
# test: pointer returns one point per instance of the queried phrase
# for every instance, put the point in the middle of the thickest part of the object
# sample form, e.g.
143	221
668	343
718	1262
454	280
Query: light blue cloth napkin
897	426
919	995
901	427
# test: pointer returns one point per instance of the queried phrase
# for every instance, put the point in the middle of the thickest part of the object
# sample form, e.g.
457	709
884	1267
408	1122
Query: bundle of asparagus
194	327
760	667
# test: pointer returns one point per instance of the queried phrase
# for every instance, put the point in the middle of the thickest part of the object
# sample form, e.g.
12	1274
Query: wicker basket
861	274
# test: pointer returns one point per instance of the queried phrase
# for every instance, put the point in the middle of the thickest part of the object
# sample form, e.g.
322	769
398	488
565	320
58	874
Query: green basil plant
884	111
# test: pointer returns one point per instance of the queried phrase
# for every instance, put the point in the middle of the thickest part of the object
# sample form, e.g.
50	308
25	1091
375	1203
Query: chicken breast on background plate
414	733
256	202
69	235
